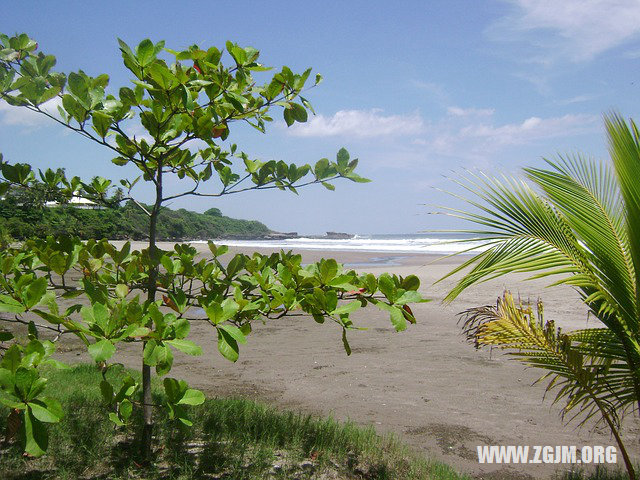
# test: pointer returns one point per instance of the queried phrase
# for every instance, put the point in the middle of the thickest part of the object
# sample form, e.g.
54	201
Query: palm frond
523	232
583	224
586	375
624	149
586	193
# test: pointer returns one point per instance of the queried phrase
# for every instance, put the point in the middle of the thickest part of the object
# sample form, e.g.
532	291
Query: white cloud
359	123
463	134
470	112
478	141
22	117
574	29
138	132
532	129
577	99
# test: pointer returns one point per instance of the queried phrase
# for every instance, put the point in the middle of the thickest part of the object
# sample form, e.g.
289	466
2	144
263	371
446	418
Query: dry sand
426	384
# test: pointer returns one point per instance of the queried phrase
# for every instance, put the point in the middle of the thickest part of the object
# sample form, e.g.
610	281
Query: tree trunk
147	404
616	434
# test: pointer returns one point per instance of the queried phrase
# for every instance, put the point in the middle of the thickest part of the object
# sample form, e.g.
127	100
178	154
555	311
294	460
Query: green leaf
174	388
10	305
5	336
149	354
115	419
410	282
398	320
125	409
101	123
288	117
299	113
163	76
102	351
145	52
78	86
122	290
106	389
164	359
235	265
227	345
35	292
235	332
34	434
220	312
6	379
410	296
12	358
387	287
186	346
181	327
342	157
348	308
322	168
24	378
357	178
327	270
36	388
47	410
98	315
192	397
73	108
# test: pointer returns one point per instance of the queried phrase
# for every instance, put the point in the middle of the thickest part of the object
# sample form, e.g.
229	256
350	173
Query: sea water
427	243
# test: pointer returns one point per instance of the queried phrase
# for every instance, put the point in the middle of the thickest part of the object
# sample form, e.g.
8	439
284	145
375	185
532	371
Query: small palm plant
578	219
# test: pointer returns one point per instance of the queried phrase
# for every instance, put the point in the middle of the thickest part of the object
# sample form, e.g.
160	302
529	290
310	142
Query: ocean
428	243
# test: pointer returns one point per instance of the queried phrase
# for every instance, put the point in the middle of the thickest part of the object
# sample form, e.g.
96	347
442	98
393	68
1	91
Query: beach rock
338	236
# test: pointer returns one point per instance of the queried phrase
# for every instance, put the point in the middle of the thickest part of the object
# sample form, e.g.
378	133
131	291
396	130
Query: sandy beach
427	385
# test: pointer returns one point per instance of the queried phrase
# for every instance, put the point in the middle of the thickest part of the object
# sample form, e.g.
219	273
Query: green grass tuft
232	438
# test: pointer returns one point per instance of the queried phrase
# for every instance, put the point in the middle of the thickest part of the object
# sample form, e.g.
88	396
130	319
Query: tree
187	110
582	223
214	212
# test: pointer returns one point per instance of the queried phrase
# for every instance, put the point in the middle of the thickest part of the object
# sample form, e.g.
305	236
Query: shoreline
427	384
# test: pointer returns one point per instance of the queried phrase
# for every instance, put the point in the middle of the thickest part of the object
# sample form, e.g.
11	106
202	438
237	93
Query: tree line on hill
26	215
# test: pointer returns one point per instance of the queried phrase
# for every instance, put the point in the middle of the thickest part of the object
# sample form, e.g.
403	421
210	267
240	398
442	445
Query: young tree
187	109
582	222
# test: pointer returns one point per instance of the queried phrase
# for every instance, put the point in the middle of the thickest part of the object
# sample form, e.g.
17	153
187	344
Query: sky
419	91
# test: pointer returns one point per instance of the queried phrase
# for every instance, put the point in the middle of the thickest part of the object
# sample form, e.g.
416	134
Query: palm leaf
580	220
624	148
582	374
586	194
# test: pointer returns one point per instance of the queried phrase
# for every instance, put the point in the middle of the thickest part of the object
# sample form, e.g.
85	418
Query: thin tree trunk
147	406
625	456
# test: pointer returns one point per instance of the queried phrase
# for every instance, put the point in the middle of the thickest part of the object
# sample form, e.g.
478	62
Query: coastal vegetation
186	103
21	220
580	222
231	438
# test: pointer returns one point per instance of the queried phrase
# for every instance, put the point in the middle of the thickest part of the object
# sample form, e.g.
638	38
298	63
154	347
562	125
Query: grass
599	473
232	438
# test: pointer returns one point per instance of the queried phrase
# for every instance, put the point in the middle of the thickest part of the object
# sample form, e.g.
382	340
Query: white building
77	202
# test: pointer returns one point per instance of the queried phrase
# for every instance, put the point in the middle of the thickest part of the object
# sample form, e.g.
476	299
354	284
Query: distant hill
127	222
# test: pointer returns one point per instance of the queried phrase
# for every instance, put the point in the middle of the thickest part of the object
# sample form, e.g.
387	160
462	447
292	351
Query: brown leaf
169	303
13	424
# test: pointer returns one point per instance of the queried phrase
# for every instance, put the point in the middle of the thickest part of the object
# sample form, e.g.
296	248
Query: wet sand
426	384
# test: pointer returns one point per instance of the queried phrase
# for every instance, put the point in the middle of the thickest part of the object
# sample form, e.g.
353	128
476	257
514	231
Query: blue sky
418	91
